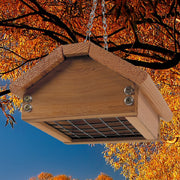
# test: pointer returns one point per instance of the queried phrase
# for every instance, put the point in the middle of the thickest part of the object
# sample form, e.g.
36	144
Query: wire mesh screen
117	127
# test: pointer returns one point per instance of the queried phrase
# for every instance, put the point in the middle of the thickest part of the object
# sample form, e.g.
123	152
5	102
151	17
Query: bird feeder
82	94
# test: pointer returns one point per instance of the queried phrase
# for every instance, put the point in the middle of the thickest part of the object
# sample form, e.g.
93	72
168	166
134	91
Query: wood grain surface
80	87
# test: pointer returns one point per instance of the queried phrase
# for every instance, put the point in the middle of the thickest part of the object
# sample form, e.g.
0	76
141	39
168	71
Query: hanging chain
105	36
90	23
91	18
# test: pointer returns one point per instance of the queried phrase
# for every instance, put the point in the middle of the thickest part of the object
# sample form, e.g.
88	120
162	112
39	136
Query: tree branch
154	56
150	21
5	92
30	7
19	17
12	52
54	19
139	45
166	65
52	34
17	67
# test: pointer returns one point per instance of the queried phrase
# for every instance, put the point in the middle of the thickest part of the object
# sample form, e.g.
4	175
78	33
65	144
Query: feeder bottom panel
108	128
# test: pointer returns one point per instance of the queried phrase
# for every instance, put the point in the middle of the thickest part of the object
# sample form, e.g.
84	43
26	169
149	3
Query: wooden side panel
80	88
77	49
152	93
147	120
140	127
52	132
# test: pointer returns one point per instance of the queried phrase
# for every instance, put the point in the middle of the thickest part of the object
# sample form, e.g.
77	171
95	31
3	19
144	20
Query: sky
26	151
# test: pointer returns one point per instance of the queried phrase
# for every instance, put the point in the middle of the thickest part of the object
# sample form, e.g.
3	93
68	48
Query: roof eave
38	71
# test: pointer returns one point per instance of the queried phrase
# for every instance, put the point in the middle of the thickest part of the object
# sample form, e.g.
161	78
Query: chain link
90	23
105	36
91	18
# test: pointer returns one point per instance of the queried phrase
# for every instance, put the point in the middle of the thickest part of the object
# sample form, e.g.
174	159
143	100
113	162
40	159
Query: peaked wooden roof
115	63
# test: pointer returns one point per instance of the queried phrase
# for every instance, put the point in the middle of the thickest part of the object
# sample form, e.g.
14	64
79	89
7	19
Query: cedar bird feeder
83	94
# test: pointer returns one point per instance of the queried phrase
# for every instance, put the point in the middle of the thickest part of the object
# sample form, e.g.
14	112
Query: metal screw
27	108
128	90
129	101
27	98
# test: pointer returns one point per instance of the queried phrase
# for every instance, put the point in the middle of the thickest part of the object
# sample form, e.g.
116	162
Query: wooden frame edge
76	49
52	132
141	127
153	94
147	121
30	120
117	140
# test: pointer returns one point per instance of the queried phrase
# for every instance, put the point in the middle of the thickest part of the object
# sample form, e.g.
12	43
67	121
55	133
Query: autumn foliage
144	33
48	176
44	176
103	176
